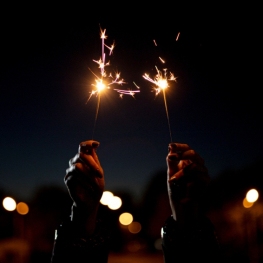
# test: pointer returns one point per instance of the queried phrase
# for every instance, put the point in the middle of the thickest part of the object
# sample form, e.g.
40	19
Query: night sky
46	53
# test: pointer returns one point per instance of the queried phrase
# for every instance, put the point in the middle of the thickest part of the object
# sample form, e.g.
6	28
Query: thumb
172	161
89	147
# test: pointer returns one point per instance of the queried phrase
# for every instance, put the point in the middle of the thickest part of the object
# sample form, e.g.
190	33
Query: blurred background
215	105
233	202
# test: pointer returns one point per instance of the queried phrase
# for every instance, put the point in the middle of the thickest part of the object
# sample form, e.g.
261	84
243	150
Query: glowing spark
136	85
102	65
162	60
177	36
128	92
104	81
161	83
110	48
155	42
160	80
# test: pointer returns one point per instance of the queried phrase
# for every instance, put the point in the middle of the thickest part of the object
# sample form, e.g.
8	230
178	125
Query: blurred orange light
125	218
134	227
247	204
134	246
22	208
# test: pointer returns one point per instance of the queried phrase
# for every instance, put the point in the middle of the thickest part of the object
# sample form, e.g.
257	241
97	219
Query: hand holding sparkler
187	178
85	182
188	235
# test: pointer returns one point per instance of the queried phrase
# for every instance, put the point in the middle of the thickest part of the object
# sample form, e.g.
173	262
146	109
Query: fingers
91	162
87	153
85	164
89	147
86	160
182	160
83	188
191	172
184	152
174	147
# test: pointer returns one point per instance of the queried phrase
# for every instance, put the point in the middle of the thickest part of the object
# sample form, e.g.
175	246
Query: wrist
83	219
174	232
69	236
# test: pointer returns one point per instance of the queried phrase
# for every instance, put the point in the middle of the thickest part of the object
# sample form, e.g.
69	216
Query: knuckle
192	152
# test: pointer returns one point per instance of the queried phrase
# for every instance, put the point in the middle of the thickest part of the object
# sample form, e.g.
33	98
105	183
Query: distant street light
252	196
115	203
250	225
112	201
125	218
106	197
22	208
247	204
134	227
9	204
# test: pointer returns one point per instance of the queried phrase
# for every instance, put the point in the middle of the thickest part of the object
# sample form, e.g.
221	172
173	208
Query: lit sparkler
104	80
161	83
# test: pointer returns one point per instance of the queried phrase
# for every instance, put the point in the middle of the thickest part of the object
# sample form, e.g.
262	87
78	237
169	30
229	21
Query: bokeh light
106	197
134	227
252	195
134	246
247	204
22	208
115	203
125	218
158	244
9	204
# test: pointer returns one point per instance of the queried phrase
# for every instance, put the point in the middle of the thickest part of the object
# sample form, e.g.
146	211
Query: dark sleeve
71	247
198	244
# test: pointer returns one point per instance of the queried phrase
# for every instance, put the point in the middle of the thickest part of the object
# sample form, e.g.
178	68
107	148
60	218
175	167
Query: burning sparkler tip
105	80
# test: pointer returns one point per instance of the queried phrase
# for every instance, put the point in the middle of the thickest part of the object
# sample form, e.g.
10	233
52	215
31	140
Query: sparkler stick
160	82
104	81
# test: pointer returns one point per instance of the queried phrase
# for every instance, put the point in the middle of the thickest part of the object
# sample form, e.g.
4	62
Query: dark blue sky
46	52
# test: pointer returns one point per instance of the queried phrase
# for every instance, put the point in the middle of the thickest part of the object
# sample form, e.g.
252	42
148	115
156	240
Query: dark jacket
70	246
198	244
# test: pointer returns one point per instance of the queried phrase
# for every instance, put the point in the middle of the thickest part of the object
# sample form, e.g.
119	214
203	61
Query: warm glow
22	208
125	218
9	204
134	246
162	83
106	196
134	227
247	204
100	85
160	80
252	195
109	78
115	203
